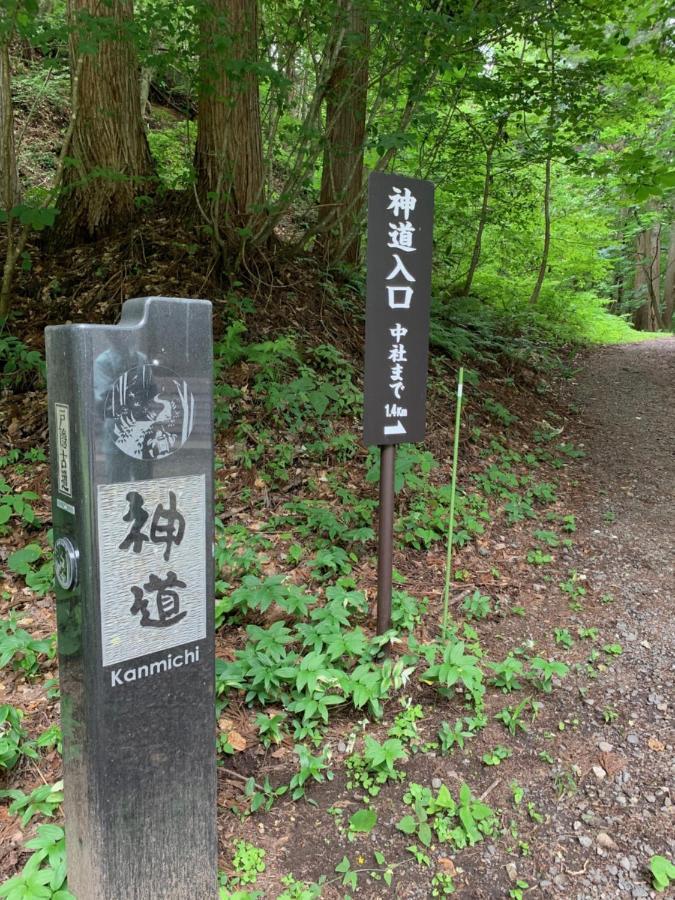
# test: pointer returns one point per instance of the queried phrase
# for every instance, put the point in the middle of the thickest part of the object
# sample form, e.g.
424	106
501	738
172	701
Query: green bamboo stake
453	488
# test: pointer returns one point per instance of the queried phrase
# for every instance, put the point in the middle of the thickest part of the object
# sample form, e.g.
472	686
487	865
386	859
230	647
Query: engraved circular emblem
152	411
65	564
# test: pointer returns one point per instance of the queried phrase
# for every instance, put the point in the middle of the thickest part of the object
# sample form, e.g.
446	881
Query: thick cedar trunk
108	133
669	283
547	235
228	154
342	175
647	280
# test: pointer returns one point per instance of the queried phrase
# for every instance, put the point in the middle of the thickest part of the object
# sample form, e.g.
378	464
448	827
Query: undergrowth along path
596	772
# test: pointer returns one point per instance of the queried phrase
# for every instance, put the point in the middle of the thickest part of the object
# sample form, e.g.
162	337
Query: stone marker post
130	420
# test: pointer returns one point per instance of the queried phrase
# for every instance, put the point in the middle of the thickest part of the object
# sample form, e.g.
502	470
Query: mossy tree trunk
113	164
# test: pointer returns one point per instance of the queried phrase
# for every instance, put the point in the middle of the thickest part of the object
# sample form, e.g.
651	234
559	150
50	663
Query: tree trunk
228	154
9	176
109	143
9	179
482	219
342	174
669	283
647	317
547	234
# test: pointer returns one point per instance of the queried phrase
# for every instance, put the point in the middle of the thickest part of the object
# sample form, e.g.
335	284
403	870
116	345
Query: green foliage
477	606
537	557
21	368
375	765
300	890
404	727
442	885
496	756
43	801
663	872
350	877
39	578
13	739
20	649
563	637
512	716
16	505
270	728
248	862
312	768
363	820
462	822
266	797
44	875
51	738
450	737
499	411
455	668
413	467
507	673
172	149
543	671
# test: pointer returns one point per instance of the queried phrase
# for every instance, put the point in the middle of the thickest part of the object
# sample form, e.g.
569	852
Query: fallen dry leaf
448	866
236	741
612	763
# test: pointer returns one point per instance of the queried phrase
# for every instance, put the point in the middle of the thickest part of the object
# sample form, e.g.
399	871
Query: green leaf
19	561
408	825
663	872
363	820
424	834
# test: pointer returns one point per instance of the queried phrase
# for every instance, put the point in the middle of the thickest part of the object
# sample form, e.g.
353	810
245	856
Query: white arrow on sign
395	429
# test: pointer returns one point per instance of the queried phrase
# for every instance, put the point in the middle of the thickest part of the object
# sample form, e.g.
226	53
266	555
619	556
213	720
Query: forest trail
627	423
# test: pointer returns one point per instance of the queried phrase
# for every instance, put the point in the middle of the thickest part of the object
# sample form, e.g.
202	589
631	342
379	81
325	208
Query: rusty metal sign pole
385	559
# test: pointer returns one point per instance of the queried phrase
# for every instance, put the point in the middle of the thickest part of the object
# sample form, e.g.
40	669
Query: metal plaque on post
130	420
400	226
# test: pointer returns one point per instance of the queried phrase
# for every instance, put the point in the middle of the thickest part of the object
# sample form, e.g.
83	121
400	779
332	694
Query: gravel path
625	395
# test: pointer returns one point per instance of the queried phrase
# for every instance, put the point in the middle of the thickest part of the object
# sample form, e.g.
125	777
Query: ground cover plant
510	735
308	703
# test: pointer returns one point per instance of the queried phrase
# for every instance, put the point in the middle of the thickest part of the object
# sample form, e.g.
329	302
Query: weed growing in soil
14	742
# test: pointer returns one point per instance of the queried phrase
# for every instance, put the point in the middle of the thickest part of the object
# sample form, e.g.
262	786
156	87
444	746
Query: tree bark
534	297
482	219
669	283
647	317
9	180
109	143
9	176
228	154
342	175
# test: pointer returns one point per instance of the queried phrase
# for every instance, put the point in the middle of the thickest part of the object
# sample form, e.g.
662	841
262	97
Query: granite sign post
130	420
400	228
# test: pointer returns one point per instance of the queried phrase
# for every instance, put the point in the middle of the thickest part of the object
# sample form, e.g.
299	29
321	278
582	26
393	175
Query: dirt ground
596	767
605	806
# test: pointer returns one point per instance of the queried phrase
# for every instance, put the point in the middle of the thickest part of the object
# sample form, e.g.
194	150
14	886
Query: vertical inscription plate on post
130	411
400	226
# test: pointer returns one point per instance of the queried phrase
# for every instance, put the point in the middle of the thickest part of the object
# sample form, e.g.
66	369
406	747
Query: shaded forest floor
597	767
583	799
